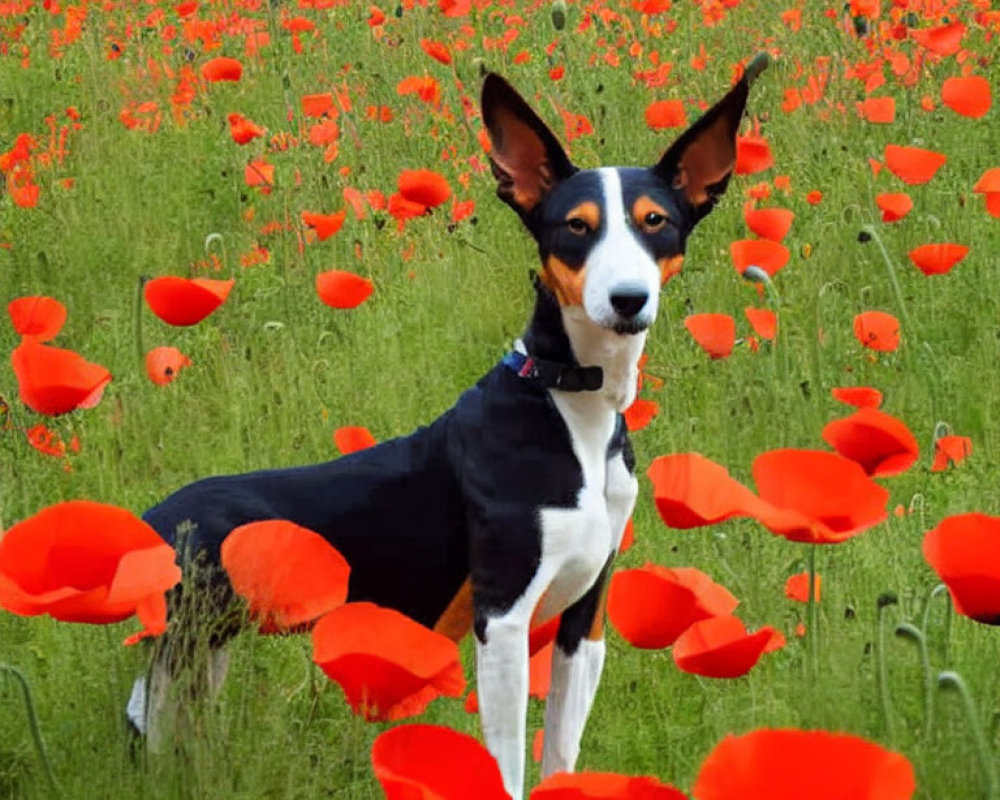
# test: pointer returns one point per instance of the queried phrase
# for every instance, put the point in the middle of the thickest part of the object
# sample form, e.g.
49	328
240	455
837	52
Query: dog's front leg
502	677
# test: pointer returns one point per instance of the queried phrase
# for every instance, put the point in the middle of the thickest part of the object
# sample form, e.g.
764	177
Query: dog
509	508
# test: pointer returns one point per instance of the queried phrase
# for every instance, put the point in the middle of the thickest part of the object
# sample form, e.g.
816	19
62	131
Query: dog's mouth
629	327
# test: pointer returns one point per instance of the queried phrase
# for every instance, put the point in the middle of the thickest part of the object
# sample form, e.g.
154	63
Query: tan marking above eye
587	212
643	208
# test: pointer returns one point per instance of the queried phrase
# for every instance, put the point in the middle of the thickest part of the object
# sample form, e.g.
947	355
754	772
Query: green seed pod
559	14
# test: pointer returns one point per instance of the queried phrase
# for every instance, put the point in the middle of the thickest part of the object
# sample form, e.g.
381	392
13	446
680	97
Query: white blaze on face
619	264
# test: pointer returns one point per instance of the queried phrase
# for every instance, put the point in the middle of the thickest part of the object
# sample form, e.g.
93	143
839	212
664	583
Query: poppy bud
559	15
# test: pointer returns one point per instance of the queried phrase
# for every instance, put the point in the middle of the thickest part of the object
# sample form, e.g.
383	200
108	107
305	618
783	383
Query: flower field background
283	148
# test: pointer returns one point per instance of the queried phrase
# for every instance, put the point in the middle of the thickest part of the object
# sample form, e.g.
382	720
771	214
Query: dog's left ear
526	157
701	160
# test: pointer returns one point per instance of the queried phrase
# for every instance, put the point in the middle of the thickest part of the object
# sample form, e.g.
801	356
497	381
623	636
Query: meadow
138	175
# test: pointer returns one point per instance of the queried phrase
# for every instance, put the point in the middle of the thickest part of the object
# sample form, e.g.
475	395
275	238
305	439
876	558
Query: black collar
552	374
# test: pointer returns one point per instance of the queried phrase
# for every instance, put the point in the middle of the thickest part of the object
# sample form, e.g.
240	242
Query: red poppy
259	174
690	491
389	666
436	50
797	587
431	762
38	317
424	87
969	95
340	289
628	536
879	442
944	40
243	130
858	396
768	223
964	550
814	198
880	110
82	561
894	206
714	333
352	438
53	381
720	647
652	605
753	154
603	786
950	450
221	69
423	186
938	258
163	364
640	414
325	225
763	321
307	581
185	301
877	330
767	255
794	764
402	209
661	114
913	165
989	185
318	105
816	496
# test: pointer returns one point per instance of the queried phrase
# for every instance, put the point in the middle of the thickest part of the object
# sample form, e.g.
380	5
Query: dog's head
609	237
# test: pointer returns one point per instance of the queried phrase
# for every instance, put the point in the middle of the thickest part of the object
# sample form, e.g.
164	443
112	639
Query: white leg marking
161	712
502	676
571	696
621	489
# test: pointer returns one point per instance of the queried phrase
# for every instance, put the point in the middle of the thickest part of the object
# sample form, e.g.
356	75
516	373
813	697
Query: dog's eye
653	222
577	226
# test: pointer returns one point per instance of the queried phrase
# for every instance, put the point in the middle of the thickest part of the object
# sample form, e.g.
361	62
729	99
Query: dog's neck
565	334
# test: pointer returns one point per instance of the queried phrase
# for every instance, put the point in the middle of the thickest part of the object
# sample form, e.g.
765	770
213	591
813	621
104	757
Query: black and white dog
508	509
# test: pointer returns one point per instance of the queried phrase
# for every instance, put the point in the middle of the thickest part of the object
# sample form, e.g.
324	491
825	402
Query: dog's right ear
526	157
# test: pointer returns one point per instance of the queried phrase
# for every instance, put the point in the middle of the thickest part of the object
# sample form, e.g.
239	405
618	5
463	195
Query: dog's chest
576	542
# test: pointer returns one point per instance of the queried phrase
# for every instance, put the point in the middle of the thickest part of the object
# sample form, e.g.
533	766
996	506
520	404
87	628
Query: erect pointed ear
527	158
702	159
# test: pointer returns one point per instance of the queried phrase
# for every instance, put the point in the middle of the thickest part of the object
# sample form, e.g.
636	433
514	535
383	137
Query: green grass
275	371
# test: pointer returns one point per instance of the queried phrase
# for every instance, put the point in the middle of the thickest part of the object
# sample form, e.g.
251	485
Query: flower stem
140	351
905	630
813	613
36	731
952	680
884	600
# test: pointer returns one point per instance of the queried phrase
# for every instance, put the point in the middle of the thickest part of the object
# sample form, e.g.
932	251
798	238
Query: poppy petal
858	396
877	330
714	333
325	225
879	442
720	647
163	364
894	206
968	95
964	550
603	786
770	256
663	114
763	321
39	317
939	258
640	414
950	449
351	438
54	381
753	154
690	491
768	223
424	186
797	587
344	290
185	301
221	69
913	165
308	580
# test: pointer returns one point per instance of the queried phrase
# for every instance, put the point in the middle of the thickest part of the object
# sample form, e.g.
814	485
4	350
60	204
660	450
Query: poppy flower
318	105
243	130
53	381
259	174
185	301
714	333
163	364
431	762
352	438
938	258
913	165
894	206
879	110
82	561
768	223
815	496
814	198
797	587
325	225
858	396
402	209
950	450
389	666
763	321
989	185
628	536
640	414
38	317
765	254
877	330
753	154
221	69
690	491
603	786
944	40
964	551
793	764
308	580
879	442
436	50
340	289
662	114
720	647
652	605
423	186
968	95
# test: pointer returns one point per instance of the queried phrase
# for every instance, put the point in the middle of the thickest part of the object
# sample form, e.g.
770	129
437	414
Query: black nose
629	303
